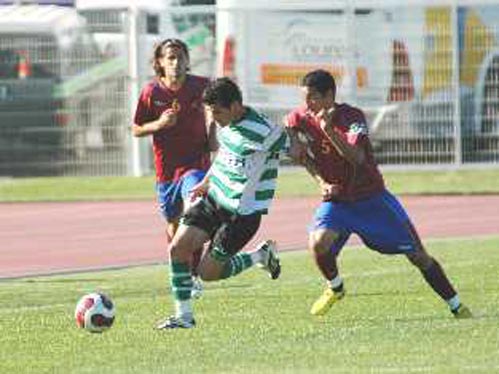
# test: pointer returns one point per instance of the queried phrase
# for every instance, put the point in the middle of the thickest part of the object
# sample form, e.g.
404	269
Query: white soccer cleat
270	260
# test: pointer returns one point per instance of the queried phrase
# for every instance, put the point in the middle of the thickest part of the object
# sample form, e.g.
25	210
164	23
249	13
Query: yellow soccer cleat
324	303
462	312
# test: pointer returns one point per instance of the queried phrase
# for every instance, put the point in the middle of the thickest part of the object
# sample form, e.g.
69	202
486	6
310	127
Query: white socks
454	302
183	308
335	282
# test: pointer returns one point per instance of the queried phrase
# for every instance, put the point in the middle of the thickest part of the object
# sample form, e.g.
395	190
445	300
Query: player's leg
386	227
326	240
224	259
170	205
188	182
173	199
435	276
197	226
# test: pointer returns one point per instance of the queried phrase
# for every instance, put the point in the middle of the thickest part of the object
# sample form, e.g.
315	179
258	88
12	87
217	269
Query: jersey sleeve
277	140
143	111
357	130
293	119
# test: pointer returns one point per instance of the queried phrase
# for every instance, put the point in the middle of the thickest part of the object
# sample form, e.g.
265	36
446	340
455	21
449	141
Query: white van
386	57
269	46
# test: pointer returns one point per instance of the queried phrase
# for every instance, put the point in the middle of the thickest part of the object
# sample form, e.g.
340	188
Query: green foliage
389	322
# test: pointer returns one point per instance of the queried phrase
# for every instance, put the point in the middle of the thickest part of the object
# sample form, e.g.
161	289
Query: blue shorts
380	221
171	195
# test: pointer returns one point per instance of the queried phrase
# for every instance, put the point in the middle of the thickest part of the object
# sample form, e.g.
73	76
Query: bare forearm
311	168
212	137
146	129
167	119
353	155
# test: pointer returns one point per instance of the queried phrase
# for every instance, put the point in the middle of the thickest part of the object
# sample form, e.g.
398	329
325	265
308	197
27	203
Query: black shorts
227	230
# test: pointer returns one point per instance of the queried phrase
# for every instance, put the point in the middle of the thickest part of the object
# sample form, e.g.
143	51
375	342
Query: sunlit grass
389	322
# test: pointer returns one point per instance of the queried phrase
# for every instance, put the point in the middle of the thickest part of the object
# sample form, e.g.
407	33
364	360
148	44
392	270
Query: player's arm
201	189
298	153
211	128
167	119
353	154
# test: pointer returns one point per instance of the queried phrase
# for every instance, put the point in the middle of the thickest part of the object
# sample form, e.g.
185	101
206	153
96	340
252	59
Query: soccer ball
94	312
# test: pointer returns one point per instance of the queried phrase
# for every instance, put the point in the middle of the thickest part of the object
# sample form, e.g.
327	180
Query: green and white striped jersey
244	173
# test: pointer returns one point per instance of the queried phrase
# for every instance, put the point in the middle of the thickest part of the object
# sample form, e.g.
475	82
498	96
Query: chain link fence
426	76
68	88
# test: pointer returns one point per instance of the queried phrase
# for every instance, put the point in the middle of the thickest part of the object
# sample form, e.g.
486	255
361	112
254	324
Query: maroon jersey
182	147
354	182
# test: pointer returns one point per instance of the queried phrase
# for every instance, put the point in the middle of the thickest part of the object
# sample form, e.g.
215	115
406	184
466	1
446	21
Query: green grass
389	322
292	183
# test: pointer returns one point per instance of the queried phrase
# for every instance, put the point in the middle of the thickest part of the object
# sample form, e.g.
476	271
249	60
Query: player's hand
329	190
199	190
298	152
167	119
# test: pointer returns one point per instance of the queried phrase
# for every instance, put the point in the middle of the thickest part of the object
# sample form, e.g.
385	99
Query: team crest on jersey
358	128
176	106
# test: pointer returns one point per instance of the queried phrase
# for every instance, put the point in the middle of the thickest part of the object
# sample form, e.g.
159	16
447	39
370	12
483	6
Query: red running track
40	238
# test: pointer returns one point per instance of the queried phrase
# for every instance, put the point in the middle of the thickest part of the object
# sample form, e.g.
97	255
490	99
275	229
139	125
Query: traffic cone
23	68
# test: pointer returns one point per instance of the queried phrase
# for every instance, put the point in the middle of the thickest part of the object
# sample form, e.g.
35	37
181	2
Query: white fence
427	77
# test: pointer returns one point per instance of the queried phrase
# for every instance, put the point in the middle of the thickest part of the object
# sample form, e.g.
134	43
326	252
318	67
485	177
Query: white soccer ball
94	312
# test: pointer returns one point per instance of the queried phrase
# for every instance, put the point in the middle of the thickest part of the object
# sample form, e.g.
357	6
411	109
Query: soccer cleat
270	262
197	288
325	301
173	322
462	312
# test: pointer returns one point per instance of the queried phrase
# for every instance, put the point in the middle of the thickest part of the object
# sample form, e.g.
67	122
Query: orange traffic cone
23	68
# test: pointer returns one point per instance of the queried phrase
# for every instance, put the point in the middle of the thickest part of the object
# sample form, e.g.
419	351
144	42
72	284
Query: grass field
292	183
390	321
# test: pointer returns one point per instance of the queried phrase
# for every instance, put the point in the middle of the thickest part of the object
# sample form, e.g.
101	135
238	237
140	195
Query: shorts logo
405	247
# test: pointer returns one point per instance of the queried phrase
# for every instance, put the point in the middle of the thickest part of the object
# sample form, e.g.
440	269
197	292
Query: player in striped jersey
237	190
332	141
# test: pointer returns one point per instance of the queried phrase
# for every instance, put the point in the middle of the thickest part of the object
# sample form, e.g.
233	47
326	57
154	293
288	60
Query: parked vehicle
54	84
396	61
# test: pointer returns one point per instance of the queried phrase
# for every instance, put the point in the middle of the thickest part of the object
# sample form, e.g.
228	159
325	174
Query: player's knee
322	241
180	250
176	251
207	272
206	276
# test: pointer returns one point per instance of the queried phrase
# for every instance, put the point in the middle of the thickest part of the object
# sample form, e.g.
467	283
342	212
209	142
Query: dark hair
159	52
223	92
321	80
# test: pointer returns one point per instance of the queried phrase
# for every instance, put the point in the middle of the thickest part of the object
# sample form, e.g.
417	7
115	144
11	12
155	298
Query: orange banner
291	74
